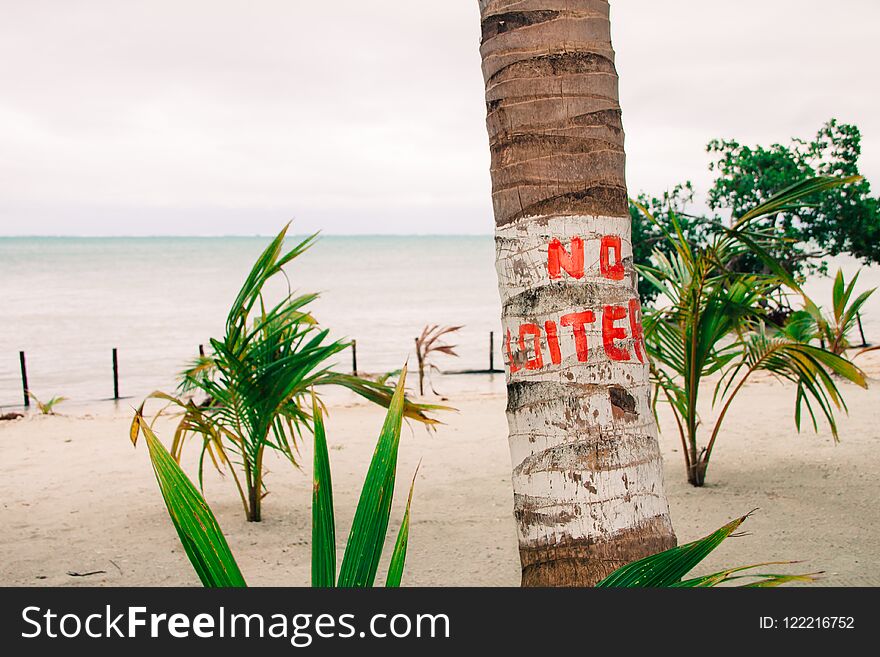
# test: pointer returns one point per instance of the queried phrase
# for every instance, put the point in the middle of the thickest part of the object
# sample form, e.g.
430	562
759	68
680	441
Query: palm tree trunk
254	481
587	475
257	492
254	512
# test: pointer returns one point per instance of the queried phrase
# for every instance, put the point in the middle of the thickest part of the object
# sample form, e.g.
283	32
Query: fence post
115	374
421	369
491	351
861	330
354	357
24	382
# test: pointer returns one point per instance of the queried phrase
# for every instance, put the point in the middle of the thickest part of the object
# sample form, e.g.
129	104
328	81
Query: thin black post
115	374
861	330
354	357
421	369
24	381
202	350
491	351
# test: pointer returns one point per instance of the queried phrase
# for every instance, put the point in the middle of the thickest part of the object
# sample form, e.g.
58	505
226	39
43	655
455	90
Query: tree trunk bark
587	472
255	490
254	511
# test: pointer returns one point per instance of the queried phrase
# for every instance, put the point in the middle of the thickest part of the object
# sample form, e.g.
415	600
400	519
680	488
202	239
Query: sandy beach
81	507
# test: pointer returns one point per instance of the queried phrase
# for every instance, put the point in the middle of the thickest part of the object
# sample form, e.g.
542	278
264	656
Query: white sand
77	498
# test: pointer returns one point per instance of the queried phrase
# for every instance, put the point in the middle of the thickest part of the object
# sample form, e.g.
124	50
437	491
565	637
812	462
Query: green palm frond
793	196
206	546
323	517
46	407
198	530
713	323
834	328
800	327
251	393
398	556
669	569
368	529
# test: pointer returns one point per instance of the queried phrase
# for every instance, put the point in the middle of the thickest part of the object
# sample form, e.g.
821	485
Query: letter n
558	259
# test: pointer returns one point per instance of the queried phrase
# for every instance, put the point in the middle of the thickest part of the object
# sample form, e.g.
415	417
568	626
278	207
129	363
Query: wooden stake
491	351
861	330
24	381
115	374
354	357
421	369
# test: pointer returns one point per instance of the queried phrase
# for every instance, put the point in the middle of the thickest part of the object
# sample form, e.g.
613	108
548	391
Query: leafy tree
840	220
649	236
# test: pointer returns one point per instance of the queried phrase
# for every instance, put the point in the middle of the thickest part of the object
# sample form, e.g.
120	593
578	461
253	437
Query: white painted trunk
587	472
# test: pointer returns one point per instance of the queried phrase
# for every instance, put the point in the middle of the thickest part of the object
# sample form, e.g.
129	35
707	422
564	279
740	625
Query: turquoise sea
67	302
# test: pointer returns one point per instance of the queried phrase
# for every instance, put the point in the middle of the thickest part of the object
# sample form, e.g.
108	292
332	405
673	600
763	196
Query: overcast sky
231	116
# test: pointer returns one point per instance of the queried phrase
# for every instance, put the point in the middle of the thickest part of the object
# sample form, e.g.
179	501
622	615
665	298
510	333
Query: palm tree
259	376
834	329
714	322
587	472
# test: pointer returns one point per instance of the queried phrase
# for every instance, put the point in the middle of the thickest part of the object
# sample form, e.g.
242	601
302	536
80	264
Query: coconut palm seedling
427	345
834	329
214	563
46	407
210	554
256	381
714	324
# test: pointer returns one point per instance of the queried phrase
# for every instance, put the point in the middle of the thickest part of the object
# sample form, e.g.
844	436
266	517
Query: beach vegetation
207	547
46	407
714	321
833	329
828	223
213	560
428	345
250	394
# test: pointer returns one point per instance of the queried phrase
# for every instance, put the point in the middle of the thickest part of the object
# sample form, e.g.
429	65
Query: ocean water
67	302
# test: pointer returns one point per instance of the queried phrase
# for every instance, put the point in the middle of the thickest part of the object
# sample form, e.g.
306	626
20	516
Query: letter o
64	619
394	620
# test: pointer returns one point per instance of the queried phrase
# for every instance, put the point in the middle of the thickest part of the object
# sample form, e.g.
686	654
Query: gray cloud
230	117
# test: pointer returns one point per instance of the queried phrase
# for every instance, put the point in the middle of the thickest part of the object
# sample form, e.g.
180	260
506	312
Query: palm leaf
837	364
199	532
668	569
257	379
370	525
793	196
323	522
763	580
382	394
398	557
